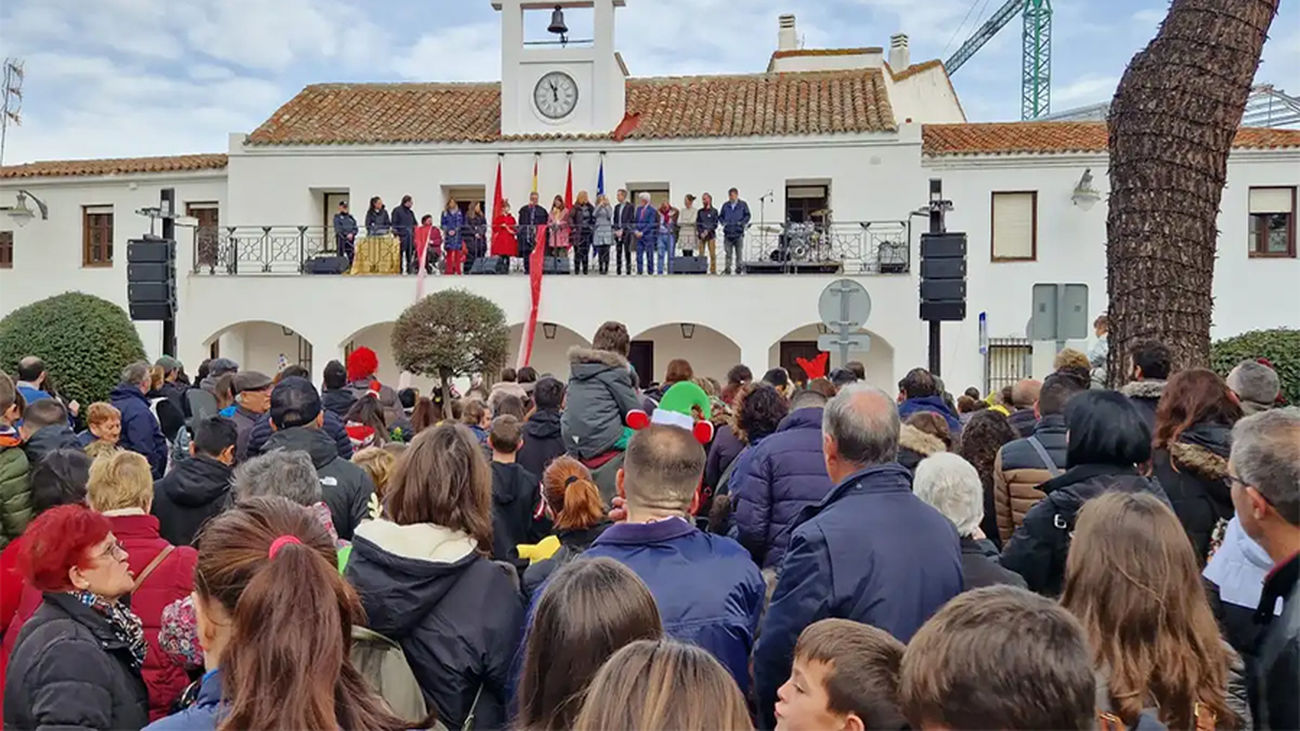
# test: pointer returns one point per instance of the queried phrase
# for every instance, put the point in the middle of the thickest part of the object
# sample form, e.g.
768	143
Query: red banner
536	265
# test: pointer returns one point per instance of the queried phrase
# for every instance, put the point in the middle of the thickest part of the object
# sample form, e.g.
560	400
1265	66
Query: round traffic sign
844	303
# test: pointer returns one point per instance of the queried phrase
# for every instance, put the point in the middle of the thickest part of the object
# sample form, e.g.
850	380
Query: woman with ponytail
578	516
275	622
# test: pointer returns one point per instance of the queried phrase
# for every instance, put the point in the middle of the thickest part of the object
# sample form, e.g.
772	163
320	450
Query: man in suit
530	217
646	232
623	239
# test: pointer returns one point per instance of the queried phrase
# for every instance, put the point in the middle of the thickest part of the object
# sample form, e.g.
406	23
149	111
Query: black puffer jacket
338	401
345	487
68	671
332	426
1194	472
1145	395
514	502
1039	546
194	491
572	545
457	615
542	441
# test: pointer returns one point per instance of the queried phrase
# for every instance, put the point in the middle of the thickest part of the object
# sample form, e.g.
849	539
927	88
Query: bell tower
563	85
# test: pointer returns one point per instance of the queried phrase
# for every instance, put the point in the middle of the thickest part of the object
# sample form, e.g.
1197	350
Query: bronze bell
557	22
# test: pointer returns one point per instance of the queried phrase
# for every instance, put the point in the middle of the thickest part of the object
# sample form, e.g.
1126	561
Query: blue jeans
664	249
645	247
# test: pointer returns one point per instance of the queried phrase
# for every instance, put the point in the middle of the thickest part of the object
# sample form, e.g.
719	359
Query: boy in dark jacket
542	435
45	429
708	590
15	493
337	398
602	390
199	488
516	497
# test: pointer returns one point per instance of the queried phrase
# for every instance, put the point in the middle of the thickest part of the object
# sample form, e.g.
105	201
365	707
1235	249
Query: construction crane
1036	50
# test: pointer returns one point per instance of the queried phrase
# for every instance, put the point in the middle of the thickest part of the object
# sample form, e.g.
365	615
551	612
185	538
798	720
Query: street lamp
1085	196
688	330
548	330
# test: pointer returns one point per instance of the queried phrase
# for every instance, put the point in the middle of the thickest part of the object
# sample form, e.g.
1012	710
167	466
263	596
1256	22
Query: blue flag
600	178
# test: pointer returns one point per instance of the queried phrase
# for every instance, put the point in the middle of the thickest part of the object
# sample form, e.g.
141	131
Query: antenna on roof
13	99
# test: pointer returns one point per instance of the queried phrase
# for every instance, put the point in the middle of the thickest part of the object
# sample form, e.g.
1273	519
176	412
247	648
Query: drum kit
805	241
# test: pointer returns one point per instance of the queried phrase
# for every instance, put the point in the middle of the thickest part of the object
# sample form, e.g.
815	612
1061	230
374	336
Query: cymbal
820	212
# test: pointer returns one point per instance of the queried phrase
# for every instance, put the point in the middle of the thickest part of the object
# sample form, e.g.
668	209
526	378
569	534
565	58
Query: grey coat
602	390
604	225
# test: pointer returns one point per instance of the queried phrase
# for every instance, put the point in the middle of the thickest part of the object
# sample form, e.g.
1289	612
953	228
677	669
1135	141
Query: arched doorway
551	343
259	345
802	342
709	352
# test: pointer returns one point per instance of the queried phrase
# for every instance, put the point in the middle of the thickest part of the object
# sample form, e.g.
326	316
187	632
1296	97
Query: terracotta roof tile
802	103
116	166
915	69
1004	138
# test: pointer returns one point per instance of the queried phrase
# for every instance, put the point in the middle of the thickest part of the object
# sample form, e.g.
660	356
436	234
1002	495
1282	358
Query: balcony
849	247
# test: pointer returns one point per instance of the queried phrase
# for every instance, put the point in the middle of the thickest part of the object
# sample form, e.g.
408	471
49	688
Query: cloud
469	53
1150	16
1087	89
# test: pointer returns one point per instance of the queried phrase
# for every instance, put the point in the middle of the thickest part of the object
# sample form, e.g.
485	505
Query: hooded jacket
387	397
935	404
192	493
1018	470
1038	548
141	432
338	401
784	474
915	445
457	615
515	494
332	426
1193	470
602	390
543	441
48	439
345	487
1145	395
15	492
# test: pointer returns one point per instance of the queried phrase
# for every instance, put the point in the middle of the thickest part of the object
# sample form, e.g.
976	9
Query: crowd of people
573	550
584	233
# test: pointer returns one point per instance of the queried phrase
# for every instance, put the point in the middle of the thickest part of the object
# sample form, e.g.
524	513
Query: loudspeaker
943	269
951	245
688	265
326	265
150	250
943	289
151	278
555	265
151	310
145	292
943	311
765	267
148	272
491	265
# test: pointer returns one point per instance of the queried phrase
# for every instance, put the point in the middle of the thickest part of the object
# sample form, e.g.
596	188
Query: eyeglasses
116	552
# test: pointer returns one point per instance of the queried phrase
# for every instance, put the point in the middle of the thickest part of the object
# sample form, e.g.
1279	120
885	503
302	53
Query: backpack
383	664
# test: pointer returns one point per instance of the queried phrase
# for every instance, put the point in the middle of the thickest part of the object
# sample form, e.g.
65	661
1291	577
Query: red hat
362	363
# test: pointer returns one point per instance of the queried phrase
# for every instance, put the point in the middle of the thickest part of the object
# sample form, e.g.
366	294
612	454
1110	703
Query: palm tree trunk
1172	123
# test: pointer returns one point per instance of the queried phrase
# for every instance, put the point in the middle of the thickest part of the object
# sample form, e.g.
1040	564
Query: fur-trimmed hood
579	355
1198	460
1148	389
909	437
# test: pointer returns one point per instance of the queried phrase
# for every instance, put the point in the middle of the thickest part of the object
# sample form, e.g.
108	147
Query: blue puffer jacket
784	474
140	430
708	590
871	552
930	403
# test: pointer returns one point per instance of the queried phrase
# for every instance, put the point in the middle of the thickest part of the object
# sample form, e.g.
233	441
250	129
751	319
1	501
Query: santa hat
362	363
677	408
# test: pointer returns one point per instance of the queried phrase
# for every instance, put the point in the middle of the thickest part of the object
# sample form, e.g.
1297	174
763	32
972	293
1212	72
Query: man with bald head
871	551
1024	394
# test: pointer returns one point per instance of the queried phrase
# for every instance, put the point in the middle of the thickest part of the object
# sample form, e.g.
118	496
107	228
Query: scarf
125	625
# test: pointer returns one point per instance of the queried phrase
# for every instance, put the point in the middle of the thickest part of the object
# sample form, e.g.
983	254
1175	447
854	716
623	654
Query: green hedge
1280	346
85	342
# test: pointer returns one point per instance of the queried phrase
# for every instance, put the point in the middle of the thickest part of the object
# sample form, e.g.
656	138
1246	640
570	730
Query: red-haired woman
573	504
1194	419
78	659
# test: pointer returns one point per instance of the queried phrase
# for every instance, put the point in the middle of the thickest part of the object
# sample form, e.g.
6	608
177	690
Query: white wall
709	352
878	360
827	62
926	97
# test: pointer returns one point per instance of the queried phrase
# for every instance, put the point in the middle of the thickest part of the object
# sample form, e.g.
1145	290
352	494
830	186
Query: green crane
1036	49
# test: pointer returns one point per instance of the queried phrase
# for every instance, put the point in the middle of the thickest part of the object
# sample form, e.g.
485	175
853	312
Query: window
1006	362
658	194
97	236
1272	222
1015	226
807	203
6	249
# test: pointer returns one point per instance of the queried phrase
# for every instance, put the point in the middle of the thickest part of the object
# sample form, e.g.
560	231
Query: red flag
496	197
536	265
568	187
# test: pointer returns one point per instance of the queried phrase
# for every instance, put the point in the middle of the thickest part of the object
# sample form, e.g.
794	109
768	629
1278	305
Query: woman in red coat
504	242
121	488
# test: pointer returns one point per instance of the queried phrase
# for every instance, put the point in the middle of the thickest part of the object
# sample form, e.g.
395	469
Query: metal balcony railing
850	247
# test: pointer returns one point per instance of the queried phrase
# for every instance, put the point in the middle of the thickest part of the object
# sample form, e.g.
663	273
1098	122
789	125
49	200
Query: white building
855	131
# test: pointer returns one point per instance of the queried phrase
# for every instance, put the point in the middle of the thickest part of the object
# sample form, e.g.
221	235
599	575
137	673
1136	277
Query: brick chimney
899	55
786	38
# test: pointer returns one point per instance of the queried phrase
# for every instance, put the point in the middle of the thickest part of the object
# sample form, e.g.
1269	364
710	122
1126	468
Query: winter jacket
31	393
515	495
1193	470
935	404
15	492
345	487
542	441
48	439
377	222
573	543
453	226
708	590
140	430
404	222
706	223
724	450
1023	421
170	580
387	398
69	671
457	615
1038	548
734	218
870	551
1234	583
981	566
332	426
1018	470
915	445
192	493
785	474
244	420
1277	672
203	715
338	400
602	390
1145	395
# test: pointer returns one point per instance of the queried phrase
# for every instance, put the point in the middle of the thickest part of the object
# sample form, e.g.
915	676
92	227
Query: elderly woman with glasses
78	659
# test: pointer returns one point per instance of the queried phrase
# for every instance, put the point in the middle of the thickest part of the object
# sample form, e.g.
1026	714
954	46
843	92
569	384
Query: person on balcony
377	222
504	241
646	230
404	226
687	219
428	243
623	235
706	228
603	215
666	243
475	235
557	234
530	217
735	217
345	232
583	220
453	241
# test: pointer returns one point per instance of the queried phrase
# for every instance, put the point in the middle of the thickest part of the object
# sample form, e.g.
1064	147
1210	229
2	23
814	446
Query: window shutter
1271	200
1013	225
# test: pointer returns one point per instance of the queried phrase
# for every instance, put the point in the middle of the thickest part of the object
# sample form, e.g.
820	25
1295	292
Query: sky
121	78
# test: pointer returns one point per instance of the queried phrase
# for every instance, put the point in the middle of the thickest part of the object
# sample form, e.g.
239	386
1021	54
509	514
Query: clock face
556	95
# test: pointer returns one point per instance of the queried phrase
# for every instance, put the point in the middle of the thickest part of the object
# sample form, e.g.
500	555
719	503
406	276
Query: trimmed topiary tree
84	340
1280	346
451	333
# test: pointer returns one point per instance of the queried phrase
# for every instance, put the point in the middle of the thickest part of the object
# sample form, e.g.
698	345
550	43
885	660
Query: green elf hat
676	408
